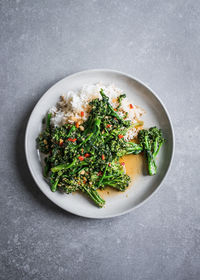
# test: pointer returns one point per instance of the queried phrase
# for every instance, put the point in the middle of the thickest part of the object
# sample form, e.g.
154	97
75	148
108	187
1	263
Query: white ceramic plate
144	186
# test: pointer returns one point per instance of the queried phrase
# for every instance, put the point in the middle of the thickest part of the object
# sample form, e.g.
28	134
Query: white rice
70	106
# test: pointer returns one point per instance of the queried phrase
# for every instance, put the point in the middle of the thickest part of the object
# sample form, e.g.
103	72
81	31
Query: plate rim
136	80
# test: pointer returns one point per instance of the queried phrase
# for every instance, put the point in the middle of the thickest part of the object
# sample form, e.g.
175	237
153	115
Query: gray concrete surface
44	41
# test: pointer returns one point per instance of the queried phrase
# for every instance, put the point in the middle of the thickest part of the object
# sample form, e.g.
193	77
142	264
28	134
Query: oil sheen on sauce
133	166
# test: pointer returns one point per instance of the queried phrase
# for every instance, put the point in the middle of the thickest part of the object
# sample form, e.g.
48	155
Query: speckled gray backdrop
44	41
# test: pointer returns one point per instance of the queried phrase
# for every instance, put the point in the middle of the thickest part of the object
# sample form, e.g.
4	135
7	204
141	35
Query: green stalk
72	129
54	186
151	164
48	122
93	194
104	173
158	149
133	149
115	185
88	138
63	166
96	127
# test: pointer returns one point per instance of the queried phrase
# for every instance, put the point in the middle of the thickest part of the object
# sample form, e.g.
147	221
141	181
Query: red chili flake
77	125
115	118
109	164
100	173
82	114
103	157
120	136
81	158
72	139
87	155
131	106
109	125
115	109
84	182
122	163
61	142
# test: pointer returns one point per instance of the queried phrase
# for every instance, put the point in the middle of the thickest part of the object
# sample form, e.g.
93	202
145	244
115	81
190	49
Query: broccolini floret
151	141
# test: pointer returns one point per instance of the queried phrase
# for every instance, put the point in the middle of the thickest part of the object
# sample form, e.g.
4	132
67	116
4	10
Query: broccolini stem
96	131
48	122
88	138
54	186
114	114
79	168
151	164
140	123
158	148
115	185
73	128
104	174
63	166
133	149
93	194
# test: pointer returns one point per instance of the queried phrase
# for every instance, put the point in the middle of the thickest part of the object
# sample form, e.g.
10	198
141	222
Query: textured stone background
44	41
